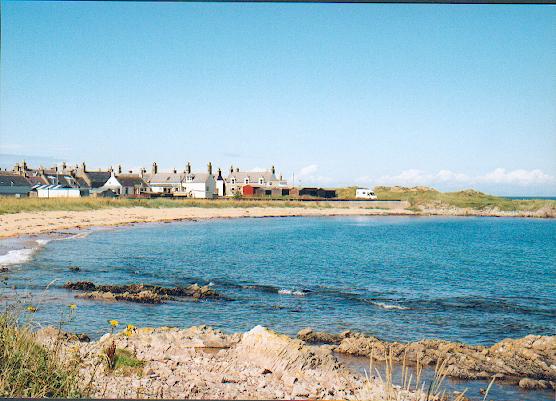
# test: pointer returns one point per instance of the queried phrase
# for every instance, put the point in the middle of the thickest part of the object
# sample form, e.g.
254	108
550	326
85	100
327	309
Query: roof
176	178
166	178
97	178
198	177
130	180
53	187
62	179
37	180
253	176
13	180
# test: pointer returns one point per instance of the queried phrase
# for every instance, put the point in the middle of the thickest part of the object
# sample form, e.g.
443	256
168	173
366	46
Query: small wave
389	306
18	256
291	292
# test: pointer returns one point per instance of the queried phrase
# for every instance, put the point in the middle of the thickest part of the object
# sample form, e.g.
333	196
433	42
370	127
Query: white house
365	193
126	184
237	179
186	184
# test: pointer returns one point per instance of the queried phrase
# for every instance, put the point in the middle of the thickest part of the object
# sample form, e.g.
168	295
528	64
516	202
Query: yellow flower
113	323
72	306
31	309
130	329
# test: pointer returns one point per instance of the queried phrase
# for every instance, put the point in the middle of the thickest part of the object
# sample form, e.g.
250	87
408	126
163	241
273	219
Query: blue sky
451	96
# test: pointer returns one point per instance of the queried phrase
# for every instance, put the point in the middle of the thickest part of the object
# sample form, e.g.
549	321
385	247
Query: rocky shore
529	361
202	363
141	293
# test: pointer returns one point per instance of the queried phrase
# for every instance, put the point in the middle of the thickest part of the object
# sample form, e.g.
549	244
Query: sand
28	223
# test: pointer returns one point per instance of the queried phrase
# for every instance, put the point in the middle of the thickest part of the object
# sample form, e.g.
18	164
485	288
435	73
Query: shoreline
271	365
34	223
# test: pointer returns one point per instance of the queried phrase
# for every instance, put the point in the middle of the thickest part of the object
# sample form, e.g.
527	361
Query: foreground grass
14	205
27	369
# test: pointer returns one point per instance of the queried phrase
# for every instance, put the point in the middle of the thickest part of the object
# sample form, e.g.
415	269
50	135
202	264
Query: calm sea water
476	280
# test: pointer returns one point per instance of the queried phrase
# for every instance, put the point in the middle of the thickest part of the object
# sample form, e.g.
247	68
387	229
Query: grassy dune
430	198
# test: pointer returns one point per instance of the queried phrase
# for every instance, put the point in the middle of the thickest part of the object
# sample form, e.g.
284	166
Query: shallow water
475	280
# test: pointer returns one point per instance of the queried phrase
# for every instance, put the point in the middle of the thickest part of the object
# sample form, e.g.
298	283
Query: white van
365	193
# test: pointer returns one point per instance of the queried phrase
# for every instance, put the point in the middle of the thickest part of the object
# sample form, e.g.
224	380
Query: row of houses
77	181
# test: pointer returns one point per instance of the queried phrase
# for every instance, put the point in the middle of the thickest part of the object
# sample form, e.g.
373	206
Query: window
233	180
246	180
261	180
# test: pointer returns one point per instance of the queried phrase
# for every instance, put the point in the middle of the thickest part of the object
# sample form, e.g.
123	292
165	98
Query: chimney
142	172
231	169
155	168
273	170
188	168
24	166
64	166
237	169
119	169
175	171
209	168
219	174
83	167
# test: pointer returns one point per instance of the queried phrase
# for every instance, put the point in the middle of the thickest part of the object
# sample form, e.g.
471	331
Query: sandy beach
28	223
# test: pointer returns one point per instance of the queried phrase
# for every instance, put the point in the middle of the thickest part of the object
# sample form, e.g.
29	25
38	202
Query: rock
74	268
528	357
531	384
142	293
315	337
4	270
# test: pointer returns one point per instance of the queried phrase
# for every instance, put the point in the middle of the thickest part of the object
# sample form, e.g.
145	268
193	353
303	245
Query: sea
476	280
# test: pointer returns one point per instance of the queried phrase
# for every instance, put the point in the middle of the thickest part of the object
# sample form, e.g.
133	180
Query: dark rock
74	268
143	293
80	286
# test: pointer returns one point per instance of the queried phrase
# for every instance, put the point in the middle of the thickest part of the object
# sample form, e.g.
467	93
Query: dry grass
27	369
412	386
14	205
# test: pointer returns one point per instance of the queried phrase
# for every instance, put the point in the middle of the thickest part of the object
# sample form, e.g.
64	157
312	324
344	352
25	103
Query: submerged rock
143	293
74	268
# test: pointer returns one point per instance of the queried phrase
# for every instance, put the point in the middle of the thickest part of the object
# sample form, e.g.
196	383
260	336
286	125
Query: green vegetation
28	369
417	197
14	205
346	193
429	197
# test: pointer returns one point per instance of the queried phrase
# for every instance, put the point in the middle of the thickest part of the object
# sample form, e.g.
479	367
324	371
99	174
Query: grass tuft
28	369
